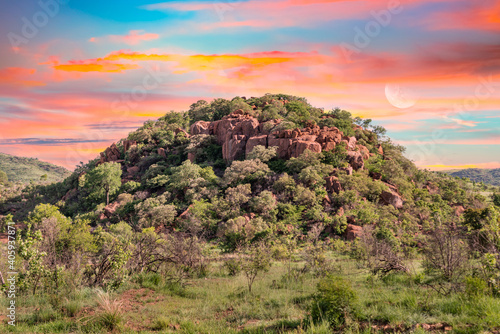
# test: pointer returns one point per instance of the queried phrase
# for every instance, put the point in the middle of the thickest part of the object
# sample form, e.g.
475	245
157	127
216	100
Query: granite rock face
238	133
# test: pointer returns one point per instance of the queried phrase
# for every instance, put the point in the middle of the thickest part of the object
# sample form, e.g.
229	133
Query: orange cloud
186	63
95	67
134	37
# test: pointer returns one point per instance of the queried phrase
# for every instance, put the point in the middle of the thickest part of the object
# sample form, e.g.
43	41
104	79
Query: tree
254	260
105	179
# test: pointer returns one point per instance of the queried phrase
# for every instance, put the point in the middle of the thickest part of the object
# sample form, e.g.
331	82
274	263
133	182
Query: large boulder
351	142
255	141
298	147
199	128
364	152
353	231
233	147
111	208
283	145
391	198
355	160
333	184
127	144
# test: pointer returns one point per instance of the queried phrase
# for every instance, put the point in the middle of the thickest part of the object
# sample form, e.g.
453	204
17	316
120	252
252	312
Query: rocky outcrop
391	198
199	128
255	141
333	184
127	144
111	154
238	133
353	231
355	160
161	151
365	153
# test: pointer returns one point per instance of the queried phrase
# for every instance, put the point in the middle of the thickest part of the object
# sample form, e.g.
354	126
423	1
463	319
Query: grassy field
219	303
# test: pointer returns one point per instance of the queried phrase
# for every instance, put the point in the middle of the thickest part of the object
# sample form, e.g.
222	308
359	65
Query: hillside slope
20	169
488	176
269	160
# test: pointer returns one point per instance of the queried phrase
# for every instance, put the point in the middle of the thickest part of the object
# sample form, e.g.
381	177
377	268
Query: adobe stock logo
31	27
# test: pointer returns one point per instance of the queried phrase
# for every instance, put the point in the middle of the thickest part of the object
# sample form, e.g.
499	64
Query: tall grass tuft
110	314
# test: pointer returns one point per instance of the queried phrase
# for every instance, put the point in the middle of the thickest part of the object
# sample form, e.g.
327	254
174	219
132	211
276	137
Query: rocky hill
259	163
488	176
20	169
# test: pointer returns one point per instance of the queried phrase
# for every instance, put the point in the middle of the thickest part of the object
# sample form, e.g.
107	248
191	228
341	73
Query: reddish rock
328	146
300	146
333	184
459	209
353	231
282	144
111	154
347	170
376	175
255	141
199	128
185	214
248	217
327	200
340	212
191	157
234	147
133	170
127	144
161	151
351	142
391	198
355	160
364	152
308	137
110	209
380	149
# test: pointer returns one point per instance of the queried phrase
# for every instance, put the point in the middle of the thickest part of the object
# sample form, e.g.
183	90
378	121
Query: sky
76	76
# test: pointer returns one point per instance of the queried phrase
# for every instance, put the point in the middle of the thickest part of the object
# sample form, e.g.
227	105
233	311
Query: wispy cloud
134	37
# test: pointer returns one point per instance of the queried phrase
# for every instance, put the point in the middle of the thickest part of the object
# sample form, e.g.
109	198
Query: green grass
221	303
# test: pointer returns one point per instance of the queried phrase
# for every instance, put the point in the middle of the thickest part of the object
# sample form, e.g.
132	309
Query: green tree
105	179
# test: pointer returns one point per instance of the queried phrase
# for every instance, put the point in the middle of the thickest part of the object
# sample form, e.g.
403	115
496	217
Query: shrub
262	153
245	171
334	302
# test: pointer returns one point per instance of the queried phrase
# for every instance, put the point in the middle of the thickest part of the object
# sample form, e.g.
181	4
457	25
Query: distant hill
488	176
20	169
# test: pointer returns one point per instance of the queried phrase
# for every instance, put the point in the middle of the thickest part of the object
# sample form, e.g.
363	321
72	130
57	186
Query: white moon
399	96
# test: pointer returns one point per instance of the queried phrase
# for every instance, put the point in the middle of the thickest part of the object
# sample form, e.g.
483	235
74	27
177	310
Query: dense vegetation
24	170
154	241
489	176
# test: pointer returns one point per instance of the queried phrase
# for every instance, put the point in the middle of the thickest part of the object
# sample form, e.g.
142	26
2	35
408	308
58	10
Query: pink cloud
134	37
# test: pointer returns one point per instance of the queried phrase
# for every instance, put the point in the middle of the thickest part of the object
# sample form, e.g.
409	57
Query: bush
334	302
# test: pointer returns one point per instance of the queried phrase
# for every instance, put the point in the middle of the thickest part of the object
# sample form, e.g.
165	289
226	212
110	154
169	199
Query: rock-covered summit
238	133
